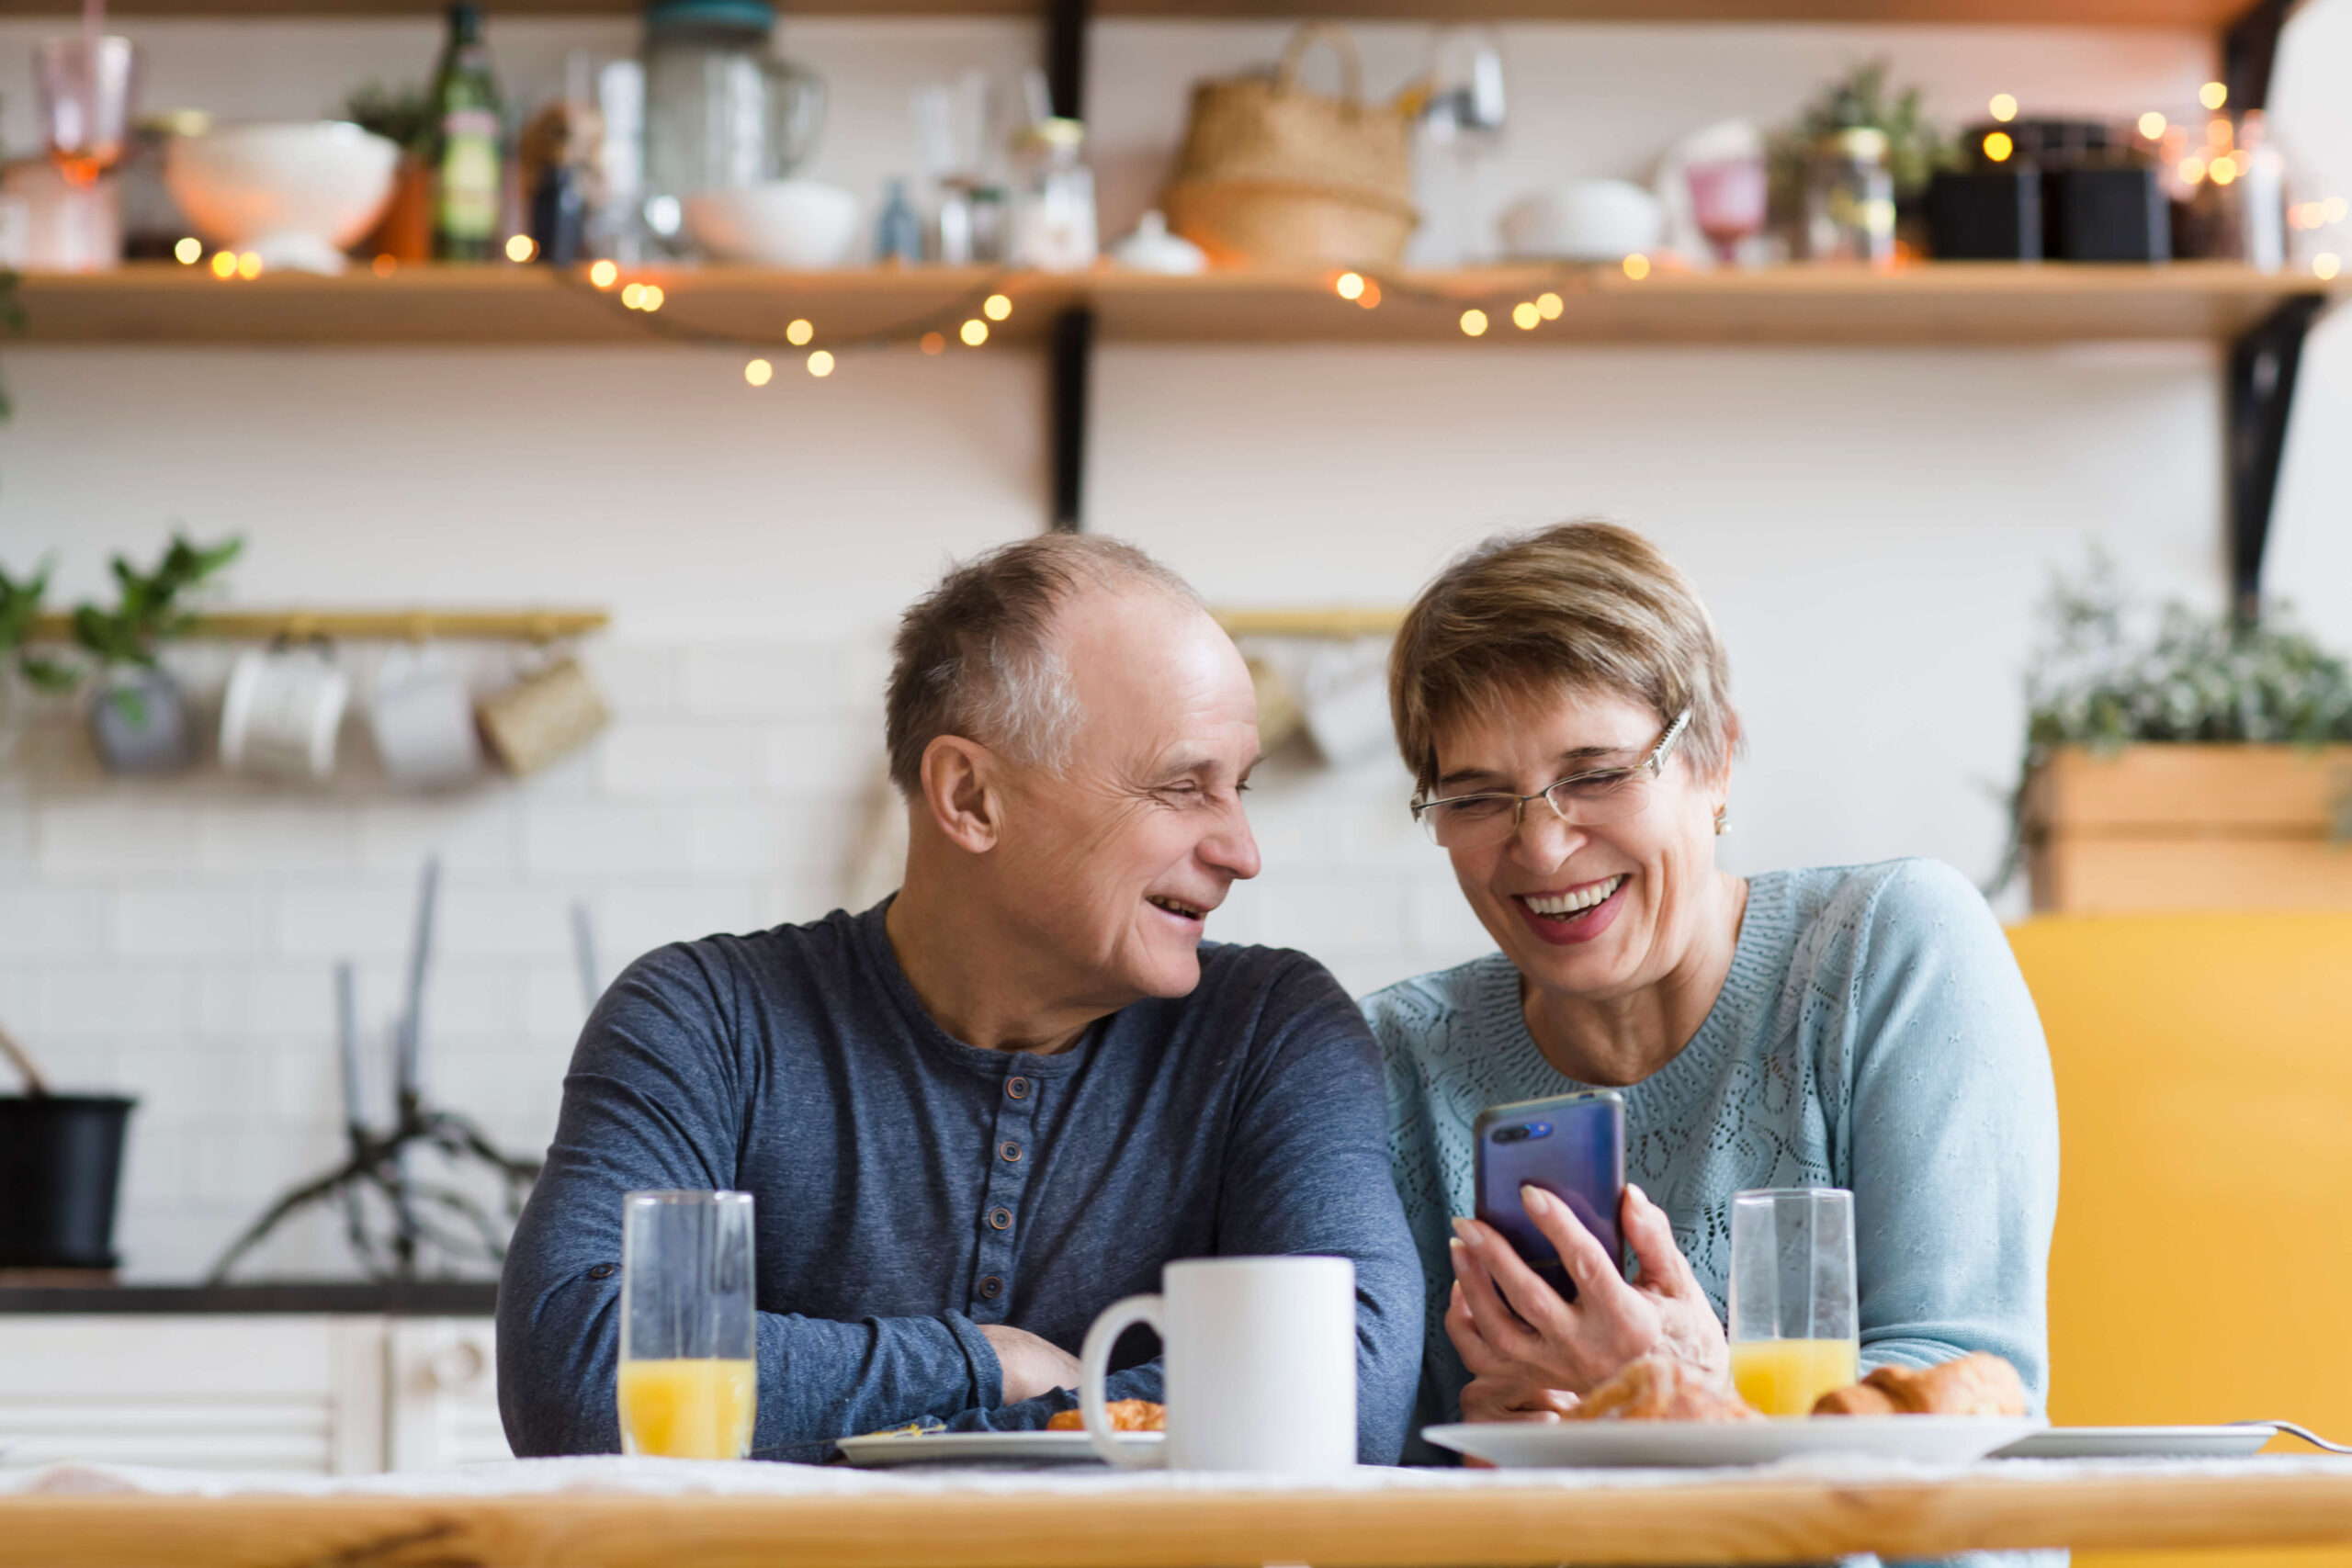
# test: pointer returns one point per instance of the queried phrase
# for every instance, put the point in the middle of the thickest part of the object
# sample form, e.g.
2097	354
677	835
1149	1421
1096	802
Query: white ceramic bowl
1584	220
295	194
794	223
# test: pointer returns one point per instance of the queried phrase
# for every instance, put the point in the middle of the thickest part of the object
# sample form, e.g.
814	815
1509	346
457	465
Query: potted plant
2180	761
61	1167
406	119
139	718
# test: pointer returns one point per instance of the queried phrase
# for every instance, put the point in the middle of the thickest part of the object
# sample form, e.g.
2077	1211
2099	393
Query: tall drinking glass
85	85
1795	1329
689	1379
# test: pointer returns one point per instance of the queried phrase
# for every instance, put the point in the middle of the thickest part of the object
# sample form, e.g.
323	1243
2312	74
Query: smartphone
1571	1145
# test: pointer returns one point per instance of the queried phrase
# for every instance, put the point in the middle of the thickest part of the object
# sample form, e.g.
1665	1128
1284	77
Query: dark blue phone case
1571	1145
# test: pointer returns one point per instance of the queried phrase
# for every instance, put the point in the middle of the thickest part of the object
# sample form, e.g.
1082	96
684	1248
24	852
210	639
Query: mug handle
1094	1366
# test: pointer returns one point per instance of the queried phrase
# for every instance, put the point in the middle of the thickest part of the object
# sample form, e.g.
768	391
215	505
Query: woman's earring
1722	819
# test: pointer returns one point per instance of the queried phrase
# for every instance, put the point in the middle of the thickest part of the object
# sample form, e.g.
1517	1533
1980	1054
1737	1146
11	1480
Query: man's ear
959	791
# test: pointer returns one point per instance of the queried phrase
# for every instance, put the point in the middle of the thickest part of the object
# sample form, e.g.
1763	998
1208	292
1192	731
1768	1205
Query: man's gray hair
977	655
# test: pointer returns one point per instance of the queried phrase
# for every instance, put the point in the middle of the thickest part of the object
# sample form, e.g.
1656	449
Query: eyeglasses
1581	800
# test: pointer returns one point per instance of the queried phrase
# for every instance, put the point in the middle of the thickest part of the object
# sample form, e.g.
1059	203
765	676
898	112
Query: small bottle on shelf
467	181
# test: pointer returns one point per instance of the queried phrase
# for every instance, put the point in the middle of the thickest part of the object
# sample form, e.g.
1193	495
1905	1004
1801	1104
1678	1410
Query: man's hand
1032	1365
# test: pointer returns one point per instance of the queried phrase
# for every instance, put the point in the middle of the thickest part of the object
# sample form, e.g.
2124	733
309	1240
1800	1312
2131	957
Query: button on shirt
911	1188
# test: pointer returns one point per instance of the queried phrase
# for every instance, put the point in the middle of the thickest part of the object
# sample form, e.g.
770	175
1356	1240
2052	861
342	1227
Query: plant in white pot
2182	761
139	718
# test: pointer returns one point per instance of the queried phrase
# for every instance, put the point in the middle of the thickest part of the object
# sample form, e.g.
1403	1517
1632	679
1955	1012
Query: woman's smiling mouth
1574	914
1176	906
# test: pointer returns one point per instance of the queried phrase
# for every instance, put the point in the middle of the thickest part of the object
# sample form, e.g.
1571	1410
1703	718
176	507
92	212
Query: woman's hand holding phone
1517	1336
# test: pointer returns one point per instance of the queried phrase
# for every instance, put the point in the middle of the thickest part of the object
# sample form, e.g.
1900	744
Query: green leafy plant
151	608
403	117
2111	672
19	607
1914	148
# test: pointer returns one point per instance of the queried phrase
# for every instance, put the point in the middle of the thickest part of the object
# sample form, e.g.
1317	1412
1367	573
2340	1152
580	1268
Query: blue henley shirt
911	1188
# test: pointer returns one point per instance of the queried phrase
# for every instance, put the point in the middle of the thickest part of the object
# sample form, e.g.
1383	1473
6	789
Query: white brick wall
1870	528
175	939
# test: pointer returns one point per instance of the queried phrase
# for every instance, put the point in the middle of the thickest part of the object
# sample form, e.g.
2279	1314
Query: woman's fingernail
1464	1232
1639	1196
1534	1198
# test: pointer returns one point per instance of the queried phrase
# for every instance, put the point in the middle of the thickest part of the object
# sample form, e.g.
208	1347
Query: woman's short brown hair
1581	607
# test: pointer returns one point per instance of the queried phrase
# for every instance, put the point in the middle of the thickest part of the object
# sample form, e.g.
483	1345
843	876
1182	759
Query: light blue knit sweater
1873	1034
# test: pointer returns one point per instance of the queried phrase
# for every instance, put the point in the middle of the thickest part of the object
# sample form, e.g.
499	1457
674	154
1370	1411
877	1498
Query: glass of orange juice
1795	1330
689	1379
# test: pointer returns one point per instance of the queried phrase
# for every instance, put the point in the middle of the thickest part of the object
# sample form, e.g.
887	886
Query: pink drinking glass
1727	199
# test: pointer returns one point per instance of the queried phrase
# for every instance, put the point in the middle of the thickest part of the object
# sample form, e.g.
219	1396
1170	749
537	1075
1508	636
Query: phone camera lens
1539	1130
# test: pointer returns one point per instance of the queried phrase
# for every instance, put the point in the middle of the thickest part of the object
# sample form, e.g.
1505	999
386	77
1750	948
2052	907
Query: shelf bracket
2262	393
1073	344
2249	49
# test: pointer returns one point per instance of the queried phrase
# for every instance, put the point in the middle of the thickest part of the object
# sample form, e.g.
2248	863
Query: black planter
61	1162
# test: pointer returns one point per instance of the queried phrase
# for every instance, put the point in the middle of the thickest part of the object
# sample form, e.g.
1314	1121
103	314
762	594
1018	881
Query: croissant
1976	1385
1126	1416
1660	1388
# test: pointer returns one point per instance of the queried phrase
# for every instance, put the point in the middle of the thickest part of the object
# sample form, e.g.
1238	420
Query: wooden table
1513	1521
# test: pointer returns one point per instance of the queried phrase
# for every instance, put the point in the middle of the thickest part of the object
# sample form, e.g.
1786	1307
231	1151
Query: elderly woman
1562	703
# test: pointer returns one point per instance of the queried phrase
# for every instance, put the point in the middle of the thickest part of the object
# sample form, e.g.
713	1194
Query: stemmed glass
1727	202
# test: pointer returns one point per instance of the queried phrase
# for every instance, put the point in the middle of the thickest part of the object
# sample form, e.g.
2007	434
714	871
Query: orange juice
689	1408
1783	1377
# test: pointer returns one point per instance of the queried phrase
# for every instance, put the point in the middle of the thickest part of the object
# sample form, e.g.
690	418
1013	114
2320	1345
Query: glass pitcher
722	110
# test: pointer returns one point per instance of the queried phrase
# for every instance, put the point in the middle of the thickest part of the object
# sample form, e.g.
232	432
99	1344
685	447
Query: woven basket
1273	173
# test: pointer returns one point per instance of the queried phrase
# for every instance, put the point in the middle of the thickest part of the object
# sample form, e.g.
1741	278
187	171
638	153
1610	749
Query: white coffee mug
282	713
422	720
1259	1358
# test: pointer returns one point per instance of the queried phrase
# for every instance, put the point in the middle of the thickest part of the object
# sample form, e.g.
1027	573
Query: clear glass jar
1053	207
1850	199
722	110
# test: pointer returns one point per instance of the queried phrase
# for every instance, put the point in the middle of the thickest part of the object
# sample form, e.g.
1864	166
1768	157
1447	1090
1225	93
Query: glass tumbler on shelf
86	83
1795	1329
722	110
1850	199
689	1374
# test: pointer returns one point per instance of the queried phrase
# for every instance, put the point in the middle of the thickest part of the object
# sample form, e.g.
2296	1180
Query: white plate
2239	1441
1577	1445
1026	1448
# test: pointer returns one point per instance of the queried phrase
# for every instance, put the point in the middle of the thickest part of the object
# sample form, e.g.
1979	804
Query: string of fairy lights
970	316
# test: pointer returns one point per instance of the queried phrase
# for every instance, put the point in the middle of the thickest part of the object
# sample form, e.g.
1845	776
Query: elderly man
977	1113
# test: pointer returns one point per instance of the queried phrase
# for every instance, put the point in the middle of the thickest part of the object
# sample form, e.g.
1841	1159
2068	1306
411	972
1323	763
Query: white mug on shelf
1259	1356
282	713
422	720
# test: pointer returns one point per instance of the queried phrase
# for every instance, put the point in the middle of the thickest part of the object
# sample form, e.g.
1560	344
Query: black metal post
1073	354
2262	392
2248	51
1073	345
1065	56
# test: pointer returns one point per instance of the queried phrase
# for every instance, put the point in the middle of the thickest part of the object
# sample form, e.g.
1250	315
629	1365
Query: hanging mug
544	715
283	712
422	720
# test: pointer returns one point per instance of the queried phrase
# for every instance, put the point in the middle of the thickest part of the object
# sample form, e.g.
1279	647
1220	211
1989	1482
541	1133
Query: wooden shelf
743	309
2202	16
379	626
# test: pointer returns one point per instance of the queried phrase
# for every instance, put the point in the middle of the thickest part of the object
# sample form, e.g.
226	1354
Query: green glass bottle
466	173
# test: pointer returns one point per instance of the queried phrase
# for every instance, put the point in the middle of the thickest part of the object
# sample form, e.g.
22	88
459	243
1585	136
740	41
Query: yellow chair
2202	1269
